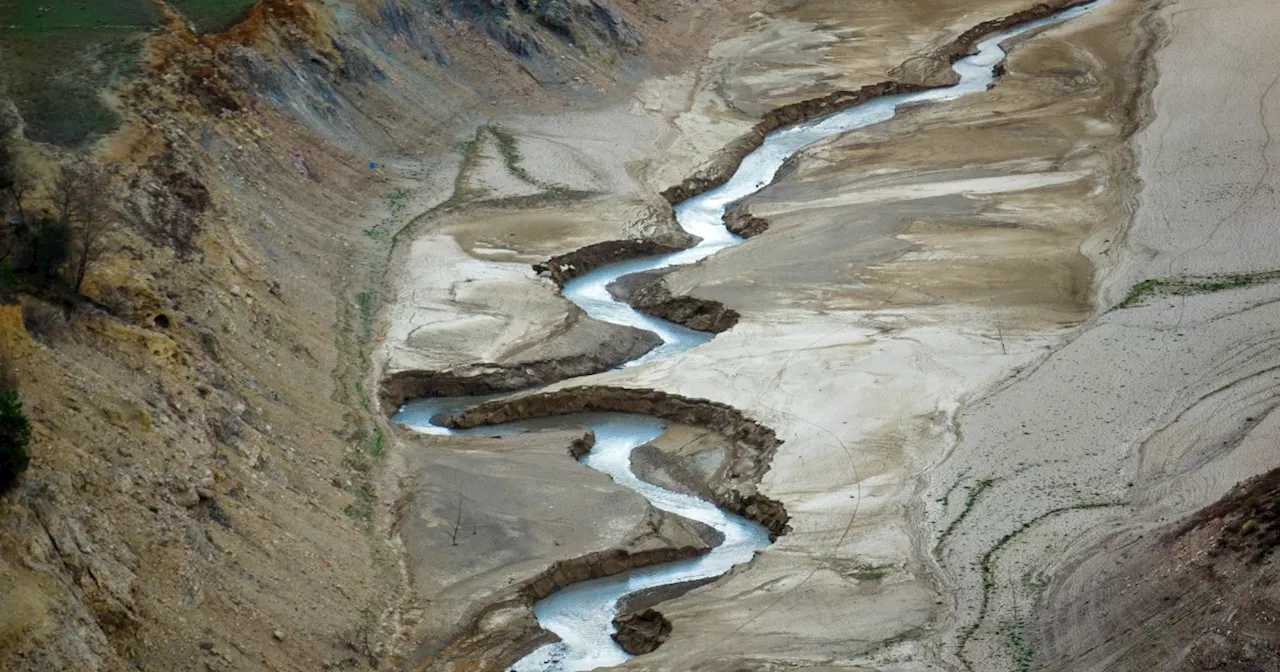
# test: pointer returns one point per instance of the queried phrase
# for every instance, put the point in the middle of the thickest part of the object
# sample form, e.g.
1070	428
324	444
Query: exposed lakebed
581	615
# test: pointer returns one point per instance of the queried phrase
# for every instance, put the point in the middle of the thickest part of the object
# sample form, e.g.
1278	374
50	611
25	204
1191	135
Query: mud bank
506	631
503	628
644	291
602	564
688	311
493	378
565	267
753	444
727	159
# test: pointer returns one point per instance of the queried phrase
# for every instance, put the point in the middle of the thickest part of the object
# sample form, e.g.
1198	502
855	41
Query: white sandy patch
964	187
451	309
490	175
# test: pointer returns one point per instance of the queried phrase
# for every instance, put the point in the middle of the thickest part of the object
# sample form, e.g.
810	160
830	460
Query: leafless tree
81	201
14	185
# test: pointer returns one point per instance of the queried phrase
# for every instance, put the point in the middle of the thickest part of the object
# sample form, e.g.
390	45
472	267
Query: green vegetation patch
368	302
871	572
974	493
1019	647
15	435
1194	285
213	16
59	54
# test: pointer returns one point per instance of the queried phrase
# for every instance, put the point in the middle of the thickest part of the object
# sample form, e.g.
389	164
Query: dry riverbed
921	325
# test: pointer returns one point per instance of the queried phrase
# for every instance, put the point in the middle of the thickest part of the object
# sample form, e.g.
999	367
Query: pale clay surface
888	375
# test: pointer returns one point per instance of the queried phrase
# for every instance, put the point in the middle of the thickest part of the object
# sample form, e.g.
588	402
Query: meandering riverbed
581	615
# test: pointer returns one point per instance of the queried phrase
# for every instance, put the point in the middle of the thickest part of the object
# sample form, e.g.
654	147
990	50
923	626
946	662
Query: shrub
48	245
15	434
43	321
8	280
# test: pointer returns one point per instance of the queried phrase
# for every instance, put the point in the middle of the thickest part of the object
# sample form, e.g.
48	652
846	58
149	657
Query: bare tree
14	184
81	203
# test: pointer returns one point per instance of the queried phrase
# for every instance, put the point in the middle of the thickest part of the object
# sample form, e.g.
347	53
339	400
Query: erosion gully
581	615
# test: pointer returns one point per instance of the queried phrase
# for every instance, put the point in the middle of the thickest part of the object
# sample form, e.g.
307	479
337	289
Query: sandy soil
506	536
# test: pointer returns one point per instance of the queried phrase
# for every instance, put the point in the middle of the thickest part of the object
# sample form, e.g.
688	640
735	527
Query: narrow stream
582	614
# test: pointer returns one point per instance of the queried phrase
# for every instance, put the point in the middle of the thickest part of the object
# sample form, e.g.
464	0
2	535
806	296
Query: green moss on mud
1189	285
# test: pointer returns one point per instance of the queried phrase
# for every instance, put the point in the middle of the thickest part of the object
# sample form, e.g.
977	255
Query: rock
745	224
186	497
641	633
235	290
582	446
278	635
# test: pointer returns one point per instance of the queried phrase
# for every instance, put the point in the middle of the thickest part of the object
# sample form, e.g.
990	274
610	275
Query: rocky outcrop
565	267
752	444
1246	520
642	632
692	312
745	224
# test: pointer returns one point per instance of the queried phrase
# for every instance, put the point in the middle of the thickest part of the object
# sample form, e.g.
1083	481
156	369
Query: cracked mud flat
906	271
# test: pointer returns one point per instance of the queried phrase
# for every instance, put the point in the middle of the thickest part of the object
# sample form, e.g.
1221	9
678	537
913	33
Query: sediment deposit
989	372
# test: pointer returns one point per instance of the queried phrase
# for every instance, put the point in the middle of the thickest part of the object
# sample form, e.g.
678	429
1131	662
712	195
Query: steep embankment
203	489
1183	577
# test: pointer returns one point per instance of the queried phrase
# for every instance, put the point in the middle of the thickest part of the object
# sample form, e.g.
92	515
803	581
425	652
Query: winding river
581	615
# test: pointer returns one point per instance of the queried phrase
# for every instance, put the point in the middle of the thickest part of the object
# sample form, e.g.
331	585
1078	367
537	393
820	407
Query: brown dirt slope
204	487
1199	595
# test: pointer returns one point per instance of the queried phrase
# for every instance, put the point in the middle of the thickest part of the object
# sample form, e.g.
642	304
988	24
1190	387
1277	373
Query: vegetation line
1194	284
987	565
969	501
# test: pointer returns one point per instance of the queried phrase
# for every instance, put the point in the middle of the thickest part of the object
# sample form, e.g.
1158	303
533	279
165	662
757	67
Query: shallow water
582	614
